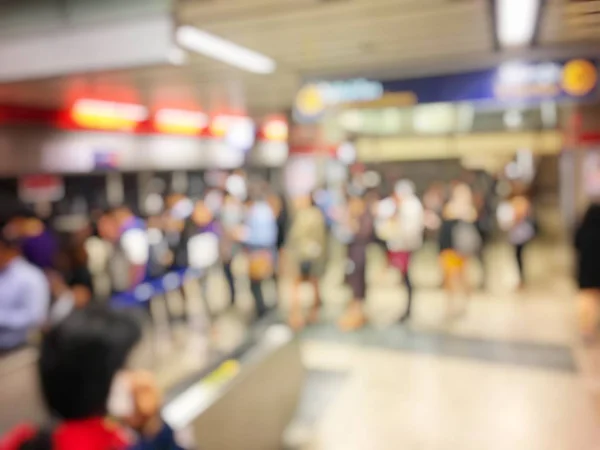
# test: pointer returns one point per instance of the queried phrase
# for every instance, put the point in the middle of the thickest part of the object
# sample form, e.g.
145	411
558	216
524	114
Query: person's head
80	357
202	215
404	189
108	228
462	194
356	205
9	250
122	213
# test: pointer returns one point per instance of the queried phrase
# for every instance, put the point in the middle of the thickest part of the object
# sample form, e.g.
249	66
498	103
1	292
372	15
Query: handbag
260	264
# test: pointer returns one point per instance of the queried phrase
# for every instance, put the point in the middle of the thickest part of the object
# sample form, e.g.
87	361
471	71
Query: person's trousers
230	280
259	299
519	248
409	289
401	261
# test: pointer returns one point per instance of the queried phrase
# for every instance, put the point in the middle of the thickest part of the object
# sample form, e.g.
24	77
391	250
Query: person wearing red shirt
95	401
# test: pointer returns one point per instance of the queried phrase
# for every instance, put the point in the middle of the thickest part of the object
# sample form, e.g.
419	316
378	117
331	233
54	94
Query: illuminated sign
239	132
530	82
275	129
107	115
179	121
579	77
575	78
313	99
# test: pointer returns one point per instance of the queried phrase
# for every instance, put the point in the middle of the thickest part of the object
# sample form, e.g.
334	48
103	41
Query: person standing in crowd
84	379
160	257
130	258
24	298
71	283
280	210
39	243
231	218
259	236
485	204
201	236
403	234
434	200
99	247
516	217
587	246
358	221
306	243
459	240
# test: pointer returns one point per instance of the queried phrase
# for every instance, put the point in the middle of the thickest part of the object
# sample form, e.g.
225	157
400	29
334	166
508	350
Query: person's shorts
452	261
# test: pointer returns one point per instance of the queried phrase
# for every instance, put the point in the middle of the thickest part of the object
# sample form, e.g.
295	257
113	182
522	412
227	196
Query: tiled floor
396	400
508	375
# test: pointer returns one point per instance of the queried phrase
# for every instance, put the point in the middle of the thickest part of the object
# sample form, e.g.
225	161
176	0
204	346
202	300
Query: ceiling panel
571	21
307	38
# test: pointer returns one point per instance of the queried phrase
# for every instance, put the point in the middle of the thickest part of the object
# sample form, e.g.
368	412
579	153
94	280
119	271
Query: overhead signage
274	129
107	115
239	132
313	99
180	121
105	159
513	82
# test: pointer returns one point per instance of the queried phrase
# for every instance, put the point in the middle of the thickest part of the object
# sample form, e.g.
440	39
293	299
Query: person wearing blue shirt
260	238
24	296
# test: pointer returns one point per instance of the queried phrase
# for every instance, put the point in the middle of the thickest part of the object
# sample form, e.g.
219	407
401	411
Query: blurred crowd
116	253
66	284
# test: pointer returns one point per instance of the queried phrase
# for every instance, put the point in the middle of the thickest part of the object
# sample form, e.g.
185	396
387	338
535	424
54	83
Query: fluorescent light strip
516	20
103	108
218	48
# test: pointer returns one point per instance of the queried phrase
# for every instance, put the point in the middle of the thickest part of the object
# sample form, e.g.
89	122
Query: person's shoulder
15	438
30	270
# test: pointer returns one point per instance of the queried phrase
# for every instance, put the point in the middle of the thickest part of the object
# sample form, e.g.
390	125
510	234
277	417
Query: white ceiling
321	38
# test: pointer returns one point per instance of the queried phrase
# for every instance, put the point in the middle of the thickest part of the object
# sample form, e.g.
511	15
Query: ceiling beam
492	8
538	23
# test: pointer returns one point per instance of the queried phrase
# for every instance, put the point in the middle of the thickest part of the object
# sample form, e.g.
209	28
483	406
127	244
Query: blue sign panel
516	82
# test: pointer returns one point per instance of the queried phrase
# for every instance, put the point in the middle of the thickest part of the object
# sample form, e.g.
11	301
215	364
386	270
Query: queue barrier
153	287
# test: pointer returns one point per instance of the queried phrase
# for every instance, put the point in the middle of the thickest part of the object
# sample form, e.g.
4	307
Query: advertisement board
522	82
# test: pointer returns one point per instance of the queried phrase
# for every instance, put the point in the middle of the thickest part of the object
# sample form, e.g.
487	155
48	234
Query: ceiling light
218	48
180	121
107	115
516	20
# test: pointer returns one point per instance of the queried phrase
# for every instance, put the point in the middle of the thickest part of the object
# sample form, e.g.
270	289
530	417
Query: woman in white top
402	232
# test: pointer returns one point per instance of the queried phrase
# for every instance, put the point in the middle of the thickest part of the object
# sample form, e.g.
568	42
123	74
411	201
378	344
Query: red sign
41	188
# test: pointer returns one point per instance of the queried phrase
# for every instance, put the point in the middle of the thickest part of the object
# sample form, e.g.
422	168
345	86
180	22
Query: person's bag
466	239
203	250
260	265
522	232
